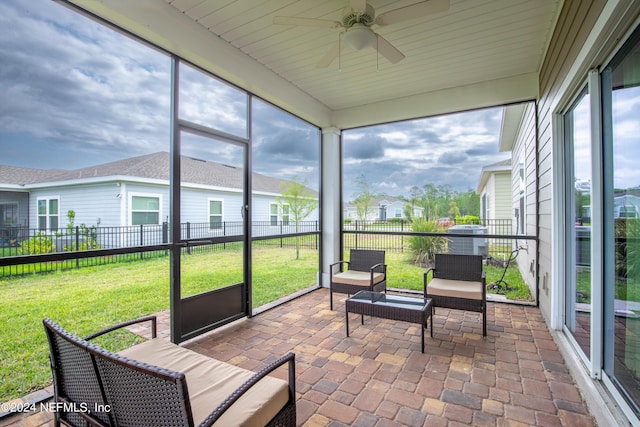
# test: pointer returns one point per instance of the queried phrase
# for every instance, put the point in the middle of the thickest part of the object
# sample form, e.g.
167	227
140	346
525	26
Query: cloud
453	157
81	94
366	146
444	150
78	90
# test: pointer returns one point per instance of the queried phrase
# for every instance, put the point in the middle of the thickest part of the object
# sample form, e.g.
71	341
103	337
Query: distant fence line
24	240
16	241
386	236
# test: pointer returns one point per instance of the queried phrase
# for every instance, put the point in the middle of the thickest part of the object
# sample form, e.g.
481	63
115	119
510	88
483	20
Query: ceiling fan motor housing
364	17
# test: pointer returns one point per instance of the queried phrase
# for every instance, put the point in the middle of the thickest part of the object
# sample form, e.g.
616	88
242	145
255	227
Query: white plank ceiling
474	41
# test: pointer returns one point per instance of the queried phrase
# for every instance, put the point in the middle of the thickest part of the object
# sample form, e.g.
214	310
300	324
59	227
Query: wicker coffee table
393	307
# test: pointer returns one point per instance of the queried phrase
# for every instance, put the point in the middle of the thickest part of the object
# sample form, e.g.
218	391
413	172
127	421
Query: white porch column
331	200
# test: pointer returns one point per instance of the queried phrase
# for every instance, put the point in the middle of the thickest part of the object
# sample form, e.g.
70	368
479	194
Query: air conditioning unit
468	245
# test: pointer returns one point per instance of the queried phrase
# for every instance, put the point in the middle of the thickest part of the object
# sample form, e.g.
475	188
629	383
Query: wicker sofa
458	281
146	385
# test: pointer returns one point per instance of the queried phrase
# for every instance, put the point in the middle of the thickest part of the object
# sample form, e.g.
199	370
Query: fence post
77	245
141	239
188	236
165	232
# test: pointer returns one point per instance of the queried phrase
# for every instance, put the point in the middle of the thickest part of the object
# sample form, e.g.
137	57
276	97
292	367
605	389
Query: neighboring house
133	192
495	191
382	209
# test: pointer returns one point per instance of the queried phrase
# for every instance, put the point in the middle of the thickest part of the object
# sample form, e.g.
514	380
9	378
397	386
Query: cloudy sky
447	150
77	94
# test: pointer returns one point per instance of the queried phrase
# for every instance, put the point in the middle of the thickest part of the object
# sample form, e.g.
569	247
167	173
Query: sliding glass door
578	304
621	104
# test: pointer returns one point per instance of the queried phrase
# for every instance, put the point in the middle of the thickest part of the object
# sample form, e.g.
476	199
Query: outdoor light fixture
358	37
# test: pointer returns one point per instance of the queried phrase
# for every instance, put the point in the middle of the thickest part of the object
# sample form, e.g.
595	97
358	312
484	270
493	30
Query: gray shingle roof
150	166
21	176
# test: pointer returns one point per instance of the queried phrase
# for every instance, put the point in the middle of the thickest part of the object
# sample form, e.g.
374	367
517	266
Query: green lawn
88	299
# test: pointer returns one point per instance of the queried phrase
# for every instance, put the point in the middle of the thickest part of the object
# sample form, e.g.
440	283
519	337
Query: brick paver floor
378	377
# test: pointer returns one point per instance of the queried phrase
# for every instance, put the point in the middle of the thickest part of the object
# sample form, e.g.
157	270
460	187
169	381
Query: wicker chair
366	271
93	386
458	282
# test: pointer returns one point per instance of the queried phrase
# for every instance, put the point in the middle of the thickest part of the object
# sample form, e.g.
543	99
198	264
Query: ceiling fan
358	19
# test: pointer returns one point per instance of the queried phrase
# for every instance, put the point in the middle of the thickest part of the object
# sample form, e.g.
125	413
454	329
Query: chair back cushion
363	260
458	267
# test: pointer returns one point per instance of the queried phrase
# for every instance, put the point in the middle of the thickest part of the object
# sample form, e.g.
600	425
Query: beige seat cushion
455	288
359	278
210	381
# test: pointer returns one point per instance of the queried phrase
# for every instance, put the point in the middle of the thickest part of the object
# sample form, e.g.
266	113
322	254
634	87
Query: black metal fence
208	237
484	238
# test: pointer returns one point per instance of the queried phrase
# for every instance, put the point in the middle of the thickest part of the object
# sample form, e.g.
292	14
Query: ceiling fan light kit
357	20
359	37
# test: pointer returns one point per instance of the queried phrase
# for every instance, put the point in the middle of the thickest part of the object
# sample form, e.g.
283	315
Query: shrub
88	239
425	247
467	219
40	243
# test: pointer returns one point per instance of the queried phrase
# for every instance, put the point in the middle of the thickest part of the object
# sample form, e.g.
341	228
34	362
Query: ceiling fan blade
305	22
358	5
328	57
387	50
413	11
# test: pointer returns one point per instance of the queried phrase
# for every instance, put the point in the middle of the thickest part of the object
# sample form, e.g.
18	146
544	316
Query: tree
363	199
469	203
300	201
454	211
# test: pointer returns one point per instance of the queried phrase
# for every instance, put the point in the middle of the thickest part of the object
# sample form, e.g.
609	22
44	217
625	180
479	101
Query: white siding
524	151
502	196
92	204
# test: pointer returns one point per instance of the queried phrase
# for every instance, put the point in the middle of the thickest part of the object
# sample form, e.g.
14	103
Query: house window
279	212
145	210
215	214
48	214
398	213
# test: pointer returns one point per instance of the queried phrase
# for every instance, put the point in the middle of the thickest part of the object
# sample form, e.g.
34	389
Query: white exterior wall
91	203
498	195
393	207
195	205
523	155
502	196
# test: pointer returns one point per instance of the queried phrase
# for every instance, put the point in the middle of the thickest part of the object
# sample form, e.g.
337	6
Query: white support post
331	200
